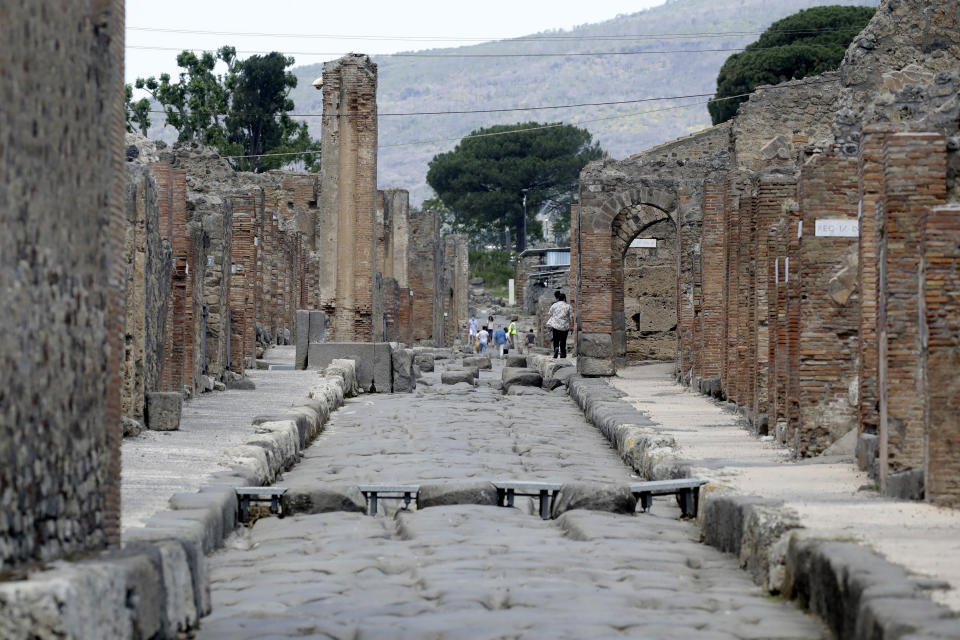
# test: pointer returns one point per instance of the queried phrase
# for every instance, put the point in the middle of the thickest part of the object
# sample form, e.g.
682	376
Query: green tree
806	43
241	112
257	122
483	180
138	113
196	105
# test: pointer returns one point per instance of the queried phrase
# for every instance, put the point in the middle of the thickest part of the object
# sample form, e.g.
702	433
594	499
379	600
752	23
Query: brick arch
604	230
627	225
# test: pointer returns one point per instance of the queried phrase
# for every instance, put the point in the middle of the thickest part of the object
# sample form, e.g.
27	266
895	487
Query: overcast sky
369	24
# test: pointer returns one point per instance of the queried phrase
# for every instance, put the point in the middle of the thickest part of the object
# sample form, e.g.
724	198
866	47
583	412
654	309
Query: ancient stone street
478	571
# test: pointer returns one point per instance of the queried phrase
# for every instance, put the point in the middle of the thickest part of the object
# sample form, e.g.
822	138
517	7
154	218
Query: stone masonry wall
148	258
650	295
62	273
425	254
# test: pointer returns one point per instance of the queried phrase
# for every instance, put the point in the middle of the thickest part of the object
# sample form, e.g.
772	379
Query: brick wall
941	298
870	189
424	253
913	182
828	304
772	192
713	255
247	263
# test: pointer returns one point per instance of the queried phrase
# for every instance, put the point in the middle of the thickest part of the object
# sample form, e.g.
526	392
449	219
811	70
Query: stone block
330	498
907	485
515	376
317	331
516	361
460	492
595	345
481	362
424	361
454	376
131	427
594	496
558	377
404	376
163	410
373	361
301	339
590	367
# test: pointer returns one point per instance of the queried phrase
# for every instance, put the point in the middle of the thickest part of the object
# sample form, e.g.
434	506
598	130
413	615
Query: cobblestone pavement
471	571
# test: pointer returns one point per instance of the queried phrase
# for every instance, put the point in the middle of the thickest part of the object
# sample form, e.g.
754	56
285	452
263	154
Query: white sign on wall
646	243
839	228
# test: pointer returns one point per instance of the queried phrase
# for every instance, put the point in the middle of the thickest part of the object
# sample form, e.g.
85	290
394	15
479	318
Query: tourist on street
482	338
559	322
531	340
473	325
500	339
512	334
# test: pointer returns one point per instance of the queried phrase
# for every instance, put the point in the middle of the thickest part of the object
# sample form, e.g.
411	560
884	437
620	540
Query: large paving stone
514	360
595	496
481	362
457	492
323	500
425	361
454	376
515	376
374	361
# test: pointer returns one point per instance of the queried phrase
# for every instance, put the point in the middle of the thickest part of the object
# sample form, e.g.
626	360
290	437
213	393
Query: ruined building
816	253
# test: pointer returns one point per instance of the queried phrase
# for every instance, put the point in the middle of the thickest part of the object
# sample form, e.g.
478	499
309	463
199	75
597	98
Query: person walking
559	322
531	340
482	338
500	339
512	334
473	325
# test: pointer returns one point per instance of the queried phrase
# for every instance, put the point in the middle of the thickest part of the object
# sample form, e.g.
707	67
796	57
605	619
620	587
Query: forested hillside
457	83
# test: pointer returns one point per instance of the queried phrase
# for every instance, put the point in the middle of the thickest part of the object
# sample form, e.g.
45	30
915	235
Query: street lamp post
523	243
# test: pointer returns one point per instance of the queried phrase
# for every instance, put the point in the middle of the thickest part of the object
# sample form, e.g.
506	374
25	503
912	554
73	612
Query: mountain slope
443	84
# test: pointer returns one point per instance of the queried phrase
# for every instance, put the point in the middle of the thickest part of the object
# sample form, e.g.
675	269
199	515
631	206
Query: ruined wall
777	121
345	229
650	295
148	257
455	288
425	255
62	273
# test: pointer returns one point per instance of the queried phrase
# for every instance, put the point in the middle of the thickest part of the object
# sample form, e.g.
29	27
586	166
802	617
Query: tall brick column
870	188
772	191
345	233
828	304
424	254
713	257
941	298
914	180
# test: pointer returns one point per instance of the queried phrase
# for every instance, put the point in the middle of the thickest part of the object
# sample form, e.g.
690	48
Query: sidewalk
831	496
158	464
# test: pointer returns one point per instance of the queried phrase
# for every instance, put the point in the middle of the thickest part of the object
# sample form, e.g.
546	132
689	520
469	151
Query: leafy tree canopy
483	180
241	112
806	43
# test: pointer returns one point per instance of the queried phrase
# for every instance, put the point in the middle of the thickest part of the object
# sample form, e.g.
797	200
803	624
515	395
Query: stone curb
859	594
157	585
641	446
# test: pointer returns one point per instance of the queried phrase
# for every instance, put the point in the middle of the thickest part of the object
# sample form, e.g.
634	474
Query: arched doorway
606	227
645	263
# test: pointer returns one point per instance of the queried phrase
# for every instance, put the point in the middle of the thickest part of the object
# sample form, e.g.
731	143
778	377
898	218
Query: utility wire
474	55
466	111
546	126
530	38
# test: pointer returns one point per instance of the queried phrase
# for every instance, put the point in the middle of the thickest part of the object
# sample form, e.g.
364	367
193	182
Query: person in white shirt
560	314
482	338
